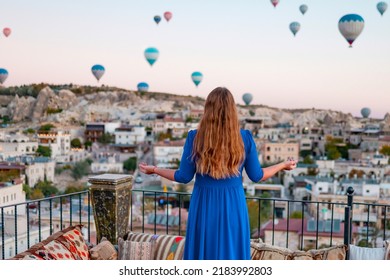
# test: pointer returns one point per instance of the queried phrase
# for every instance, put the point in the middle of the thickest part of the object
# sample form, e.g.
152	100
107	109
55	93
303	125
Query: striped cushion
168	247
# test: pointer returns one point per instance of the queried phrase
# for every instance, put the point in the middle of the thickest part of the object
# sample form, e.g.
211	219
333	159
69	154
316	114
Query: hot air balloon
294	27
6	31
247	97
3	75
196	77
167	16
157	19
382	7
98	71
365	112
350	27
143	87
151	55
303	8
275	2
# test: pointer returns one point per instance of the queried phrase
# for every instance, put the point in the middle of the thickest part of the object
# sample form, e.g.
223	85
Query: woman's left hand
290	164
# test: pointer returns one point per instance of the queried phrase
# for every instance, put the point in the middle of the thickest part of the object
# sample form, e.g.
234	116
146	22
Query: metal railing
150	212
43	217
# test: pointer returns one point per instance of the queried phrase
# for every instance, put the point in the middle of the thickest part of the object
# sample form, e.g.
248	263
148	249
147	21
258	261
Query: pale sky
243	45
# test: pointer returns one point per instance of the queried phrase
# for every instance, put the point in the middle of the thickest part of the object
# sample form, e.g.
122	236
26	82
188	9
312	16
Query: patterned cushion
104	251
168	247
363	253
337	252
69	244
133	250
31	257
262	251
58	251
76	238
301	255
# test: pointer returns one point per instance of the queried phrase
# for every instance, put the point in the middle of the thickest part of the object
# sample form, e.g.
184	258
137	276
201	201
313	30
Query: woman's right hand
290	164
147	169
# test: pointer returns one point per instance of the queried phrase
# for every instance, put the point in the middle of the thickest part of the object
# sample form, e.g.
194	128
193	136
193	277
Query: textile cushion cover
134	250
263	251
363	253
105	250
167	247
67	244
386	244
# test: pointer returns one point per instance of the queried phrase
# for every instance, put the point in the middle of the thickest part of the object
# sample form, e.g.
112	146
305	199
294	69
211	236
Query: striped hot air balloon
275	2
7	31
168	16
247	98
157	19
351	26
295	27
381	7
365	112
143	87
151	55
303	8
98	71
196	77
3	75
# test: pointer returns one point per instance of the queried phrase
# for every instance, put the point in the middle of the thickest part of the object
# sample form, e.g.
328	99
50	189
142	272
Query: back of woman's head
218	147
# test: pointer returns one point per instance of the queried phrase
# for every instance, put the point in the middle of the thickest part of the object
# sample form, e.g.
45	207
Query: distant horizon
238	102
246	46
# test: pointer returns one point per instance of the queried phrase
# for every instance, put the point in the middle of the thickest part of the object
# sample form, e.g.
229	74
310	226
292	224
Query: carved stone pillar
111	198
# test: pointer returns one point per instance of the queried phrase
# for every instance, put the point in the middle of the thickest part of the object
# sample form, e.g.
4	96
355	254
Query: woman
217	152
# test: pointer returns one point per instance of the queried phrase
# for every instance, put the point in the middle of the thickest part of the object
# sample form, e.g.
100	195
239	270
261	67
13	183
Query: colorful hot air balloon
151	55
294	27
196	77
350	27
247	97
167	16
143	87
3	75
365	112
303	8
275	2
6	31
381	7
157	19
98	71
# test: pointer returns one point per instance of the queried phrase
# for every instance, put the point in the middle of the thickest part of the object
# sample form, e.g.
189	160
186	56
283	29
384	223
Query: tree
46	127
80	169
27	190
308	160
106	138
75	143
44	151
36	194
88	143
296	215
253	210
47	188
130	164
385	150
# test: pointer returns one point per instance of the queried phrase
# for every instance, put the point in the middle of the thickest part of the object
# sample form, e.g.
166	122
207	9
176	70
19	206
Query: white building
58	141
109	165
17	145
36	168
12	193
129	135
167	154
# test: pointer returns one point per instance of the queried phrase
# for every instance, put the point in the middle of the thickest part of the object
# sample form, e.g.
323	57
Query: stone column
111	199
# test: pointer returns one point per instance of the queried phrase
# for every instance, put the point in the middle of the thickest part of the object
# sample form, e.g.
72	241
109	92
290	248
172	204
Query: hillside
72	104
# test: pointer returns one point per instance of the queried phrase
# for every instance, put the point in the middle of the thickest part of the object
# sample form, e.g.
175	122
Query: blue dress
218	223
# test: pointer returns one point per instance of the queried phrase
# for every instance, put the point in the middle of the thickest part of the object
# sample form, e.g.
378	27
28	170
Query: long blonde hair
218	147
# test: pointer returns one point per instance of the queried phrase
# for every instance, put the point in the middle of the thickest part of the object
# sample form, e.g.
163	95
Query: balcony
298	224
